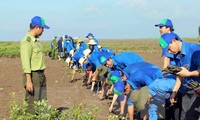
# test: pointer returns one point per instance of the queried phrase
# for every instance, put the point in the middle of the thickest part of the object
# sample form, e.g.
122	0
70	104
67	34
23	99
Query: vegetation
12	49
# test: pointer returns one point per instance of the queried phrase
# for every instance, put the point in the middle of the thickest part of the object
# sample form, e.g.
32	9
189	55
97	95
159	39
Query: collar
33	39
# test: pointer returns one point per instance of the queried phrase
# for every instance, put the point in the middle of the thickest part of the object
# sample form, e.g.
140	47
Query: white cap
81	60
92	42
86	52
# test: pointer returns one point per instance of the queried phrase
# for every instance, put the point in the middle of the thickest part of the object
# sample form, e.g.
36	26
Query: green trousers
39	90
54	53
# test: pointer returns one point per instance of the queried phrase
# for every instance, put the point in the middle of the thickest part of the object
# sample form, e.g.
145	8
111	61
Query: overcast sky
106	19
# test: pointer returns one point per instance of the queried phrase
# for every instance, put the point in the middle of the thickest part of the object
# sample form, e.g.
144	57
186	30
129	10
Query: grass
12	49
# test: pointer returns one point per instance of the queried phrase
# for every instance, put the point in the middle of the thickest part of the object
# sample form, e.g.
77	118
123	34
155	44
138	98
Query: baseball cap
55	36
165	40
165	22
89	34
103	59
115	76
39	21
139	98
66	36
119	90
86	52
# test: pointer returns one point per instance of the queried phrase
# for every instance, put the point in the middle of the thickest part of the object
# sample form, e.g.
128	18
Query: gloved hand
192	85
171	69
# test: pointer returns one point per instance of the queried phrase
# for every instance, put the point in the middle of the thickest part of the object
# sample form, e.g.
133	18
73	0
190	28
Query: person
105	49
150	96
136	76
60	48
81	45
166	26
186	57
120	61
93	46
33	64
90	36
54	47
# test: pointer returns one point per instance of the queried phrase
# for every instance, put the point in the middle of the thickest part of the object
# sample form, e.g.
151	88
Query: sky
106	19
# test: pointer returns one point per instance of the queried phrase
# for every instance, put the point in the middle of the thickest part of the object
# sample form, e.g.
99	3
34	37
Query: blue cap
165	22
103	59
165	40
66	36
119	90
39	21
70	37
89	34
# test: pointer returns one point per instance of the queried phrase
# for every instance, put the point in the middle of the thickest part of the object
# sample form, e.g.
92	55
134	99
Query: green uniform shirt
31	54
55	43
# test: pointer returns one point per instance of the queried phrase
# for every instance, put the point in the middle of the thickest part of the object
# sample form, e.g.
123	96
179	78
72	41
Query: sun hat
165	40
81	60
89	34
79	40
139	98
39	21
165	22
86	52
99	46
92	42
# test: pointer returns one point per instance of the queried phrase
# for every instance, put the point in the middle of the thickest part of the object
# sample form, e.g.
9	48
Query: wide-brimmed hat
81	60
79	40
86	52
140	98
92	42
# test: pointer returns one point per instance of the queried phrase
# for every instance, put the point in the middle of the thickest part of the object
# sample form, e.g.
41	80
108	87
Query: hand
197	91
110	109
29	86
109	91
172	101
184	72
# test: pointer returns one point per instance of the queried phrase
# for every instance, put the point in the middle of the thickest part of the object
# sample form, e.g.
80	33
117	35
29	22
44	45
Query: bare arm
166	62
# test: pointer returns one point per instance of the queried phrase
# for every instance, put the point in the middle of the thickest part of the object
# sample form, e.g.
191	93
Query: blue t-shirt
124	59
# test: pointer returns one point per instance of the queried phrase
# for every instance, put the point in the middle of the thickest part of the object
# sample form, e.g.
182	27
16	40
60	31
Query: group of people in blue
137	83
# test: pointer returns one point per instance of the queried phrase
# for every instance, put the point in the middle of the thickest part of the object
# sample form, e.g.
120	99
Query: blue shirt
124	59
76	57
160	87
141	74
96	40
105	49
82	47
94	58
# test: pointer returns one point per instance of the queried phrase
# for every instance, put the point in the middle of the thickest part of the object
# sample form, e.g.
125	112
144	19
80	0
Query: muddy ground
61	93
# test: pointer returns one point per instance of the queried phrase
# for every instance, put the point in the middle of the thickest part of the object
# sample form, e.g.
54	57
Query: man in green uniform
54	47
33	63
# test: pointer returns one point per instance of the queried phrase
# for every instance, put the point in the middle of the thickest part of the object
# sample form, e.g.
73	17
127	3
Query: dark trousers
194	112
187	100
39	90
